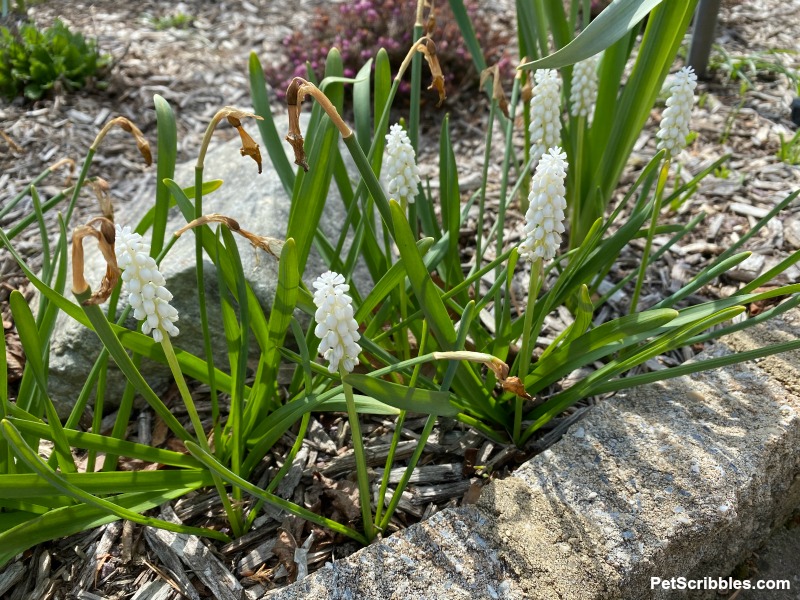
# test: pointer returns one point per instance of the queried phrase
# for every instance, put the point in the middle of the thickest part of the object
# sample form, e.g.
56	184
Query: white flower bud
144	285
336	327
544	221
401	167
545	128
675	119
584	87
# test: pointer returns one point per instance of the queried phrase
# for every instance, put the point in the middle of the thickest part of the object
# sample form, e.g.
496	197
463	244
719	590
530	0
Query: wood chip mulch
201	68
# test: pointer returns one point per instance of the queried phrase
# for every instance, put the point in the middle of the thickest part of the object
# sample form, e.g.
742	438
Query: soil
744	109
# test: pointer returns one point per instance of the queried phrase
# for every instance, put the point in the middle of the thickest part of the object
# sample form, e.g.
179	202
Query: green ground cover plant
423	307
32	61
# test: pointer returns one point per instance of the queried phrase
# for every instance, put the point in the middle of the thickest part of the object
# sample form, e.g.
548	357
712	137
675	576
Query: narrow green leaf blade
269	133
403	397
165	168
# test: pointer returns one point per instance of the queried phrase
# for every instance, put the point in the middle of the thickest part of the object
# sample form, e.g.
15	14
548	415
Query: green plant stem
482	198
234	515
398	428
301	434
412	463
201	298
662	180
211	462
525	352
361	462
501	213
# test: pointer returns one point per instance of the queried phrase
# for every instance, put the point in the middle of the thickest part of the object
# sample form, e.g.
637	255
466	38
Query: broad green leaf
615	21
450	200
425	290
362	106
468	33
400	396
593	345
387	283
311	189
383	84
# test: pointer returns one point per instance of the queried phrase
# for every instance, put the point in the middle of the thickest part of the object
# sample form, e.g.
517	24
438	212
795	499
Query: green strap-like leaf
269	133
55	524
165	169
615	21
403	397
31	485
26	453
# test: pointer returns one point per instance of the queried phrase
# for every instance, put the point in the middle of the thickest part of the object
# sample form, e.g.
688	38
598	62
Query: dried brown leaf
101	229
59	163
497	87
284	549
272	246
249	146
101	191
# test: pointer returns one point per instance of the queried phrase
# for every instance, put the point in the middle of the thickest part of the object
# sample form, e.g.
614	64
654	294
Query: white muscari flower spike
401	165
544	221
545	128
584	87
675	119
336	327
144	285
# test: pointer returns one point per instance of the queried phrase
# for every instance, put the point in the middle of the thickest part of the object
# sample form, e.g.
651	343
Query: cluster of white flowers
584	87
545	128
401	165
676	117
336	327
544	221
144	284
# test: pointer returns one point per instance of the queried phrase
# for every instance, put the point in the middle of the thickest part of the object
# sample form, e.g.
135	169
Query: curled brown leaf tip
272	246
297	90
60	163
515	386
497	87
249	146
101	190
428	49
126	125
527	89
294	97
101	229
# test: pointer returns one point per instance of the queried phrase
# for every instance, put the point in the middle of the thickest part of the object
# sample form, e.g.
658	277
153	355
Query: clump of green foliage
176	21
33	60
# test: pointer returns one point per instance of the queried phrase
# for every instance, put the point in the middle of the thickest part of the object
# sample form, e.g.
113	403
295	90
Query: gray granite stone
261	206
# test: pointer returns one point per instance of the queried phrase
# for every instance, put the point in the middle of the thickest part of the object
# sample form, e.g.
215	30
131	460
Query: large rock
261	206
